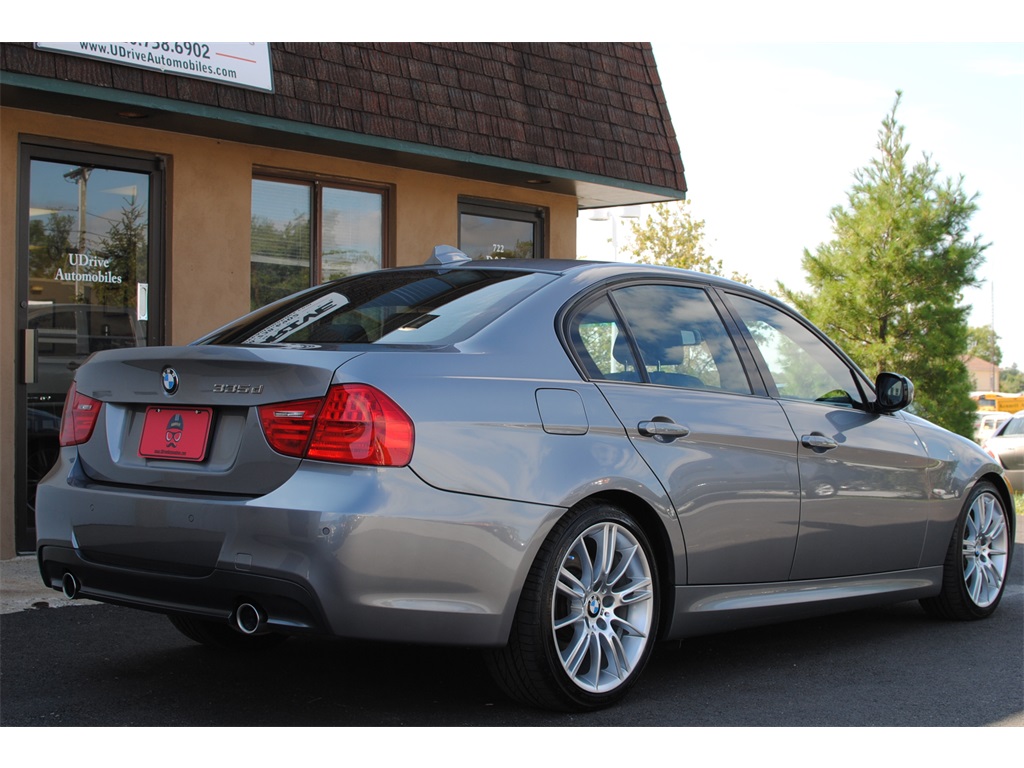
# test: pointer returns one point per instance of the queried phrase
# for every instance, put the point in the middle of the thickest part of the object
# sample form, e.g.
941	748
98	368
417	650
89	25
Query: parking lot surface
100	665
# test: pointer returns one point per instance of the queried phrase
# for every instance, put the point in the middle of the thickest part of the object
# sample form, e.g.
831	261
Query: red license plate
179	434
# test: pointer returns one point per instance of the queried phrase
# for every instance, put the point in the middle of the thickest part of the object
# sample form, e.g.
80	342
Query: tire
586	624
220	635
978	559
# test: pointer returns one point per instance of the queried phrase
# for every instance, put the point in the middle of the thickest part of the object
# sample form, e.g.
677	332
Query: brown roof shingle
592	108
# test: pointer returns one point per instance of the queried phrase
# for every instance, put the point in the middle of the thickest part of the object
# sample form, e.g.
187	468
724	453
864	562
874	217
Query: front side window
309	232
802	366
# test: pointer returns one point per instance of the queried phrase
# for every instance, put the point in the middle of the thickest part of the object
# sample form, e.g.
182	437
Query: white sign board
242	64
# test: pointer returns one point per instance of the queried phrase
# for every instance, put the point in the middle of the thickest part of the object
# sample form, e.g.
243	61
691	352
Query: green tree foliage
984	343
671	237
1011	379
889	286
280	259
49	241
125	246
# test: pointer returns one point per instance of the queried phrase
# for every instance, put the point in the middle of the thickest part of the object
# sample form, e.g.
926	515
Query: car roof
608	268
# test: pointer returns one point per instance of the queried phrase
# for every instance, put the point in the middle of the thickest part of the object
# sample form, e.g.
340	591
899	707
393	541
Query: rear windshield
392	307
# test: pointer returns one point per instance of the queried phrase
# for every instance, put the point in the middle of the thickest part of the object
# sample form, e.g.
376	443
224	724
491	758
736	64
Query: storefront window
308	232
493	230
352	232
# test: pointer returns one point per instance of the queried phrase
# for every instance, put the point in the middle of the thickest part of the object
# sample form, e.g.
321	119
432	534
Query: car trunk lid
186	418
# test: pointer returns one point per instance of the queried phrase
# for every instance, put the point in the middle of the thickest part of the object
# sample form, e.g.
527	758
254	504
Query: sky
772	123
775	105
771	134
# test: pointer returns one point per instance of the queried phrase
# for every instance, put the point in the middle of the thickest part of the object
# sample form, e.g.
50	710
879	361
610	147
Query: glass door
88	279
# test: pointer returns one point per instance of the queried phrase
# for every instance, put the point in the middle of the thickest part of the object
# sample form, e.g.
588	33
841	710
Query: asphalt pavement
102	665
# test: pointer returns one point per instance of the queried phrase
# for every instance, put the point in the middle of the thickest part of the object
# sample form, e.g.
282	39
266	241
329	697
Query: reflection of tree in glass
346	262
698	361
280	259
125	246
796	373
598	340
523	250
48	242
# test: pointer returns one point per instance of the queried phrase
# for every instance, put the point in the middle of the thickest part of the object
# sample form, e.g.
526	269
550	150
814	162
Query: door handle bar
664	429
818	442
31	367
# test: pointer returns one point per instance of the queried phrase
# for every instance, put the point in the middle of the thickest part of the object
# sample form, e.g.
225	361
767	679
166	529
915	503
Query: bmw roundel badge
170	380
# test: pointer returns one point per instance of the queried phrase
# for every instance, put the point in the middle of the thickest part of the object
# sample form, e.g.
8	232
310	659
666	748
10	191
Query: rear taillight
353	424
79	417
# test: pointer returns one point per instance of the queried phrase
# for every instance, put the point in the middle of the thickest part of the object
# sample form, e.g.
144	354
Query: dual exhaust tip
70	586
247	618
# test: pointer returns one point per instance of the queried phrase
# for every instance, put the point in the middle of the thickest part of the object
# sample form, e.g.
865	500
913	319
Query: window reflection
305	233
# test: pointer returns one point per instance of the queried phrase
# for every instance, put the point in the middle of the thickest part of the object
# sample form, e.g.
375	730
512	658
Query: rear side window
601	344
669	335
393	307
681	338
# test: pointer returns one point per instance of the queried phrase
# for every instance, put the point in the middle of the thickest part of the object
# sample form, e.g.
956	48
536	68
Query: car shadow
893	666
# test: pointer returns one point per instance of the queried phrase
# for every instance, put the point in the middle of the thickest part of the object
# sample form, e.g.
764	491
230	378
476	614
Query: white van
987	422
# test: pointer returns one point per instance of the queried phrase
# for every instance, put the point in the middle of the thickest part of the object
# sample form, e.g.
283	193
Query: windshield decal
300	318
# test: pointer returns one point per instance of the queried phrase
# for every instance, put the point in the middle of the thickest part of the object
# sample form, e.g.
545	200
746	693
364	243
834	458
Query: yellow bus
999	401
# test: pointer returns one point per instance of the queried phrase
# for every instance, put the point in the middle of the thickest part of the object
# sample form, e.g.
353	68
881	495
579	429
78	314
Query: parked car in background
560	462
987	422
1007	447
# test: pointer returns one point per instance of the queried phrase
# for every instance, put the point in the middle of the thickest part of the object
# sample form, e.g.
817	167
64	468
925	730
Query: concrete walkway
21	587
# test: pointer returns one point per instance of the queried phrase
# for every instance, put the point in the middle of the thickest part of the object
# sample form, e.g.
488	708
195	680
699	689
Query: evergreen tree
49	243
888	287
125	246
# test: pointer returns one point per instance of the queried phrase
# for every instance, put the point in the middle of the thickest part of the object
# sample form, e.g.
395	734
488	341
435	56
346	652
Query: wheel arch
655	528
1005	494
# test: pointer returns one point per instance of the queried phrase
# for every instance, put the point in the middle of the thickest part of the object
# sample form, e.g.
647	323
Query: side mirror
894	392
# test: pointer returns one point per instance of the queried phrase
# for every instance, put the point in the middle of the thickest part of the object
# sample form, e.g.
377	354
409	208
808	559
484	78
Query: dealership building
151	192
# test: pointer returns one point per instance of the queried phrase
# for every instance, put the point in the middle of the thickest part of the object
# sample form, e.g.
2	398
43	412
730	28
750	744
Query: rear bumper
351	552
289	606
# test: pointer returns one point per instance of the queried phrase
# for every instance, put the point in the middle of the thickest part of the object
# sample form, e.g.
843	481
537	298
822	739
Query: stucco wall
207	237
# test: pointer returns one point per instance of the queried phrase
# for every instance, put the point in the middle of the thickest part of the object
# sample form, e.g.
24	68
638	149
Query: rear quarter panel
479	428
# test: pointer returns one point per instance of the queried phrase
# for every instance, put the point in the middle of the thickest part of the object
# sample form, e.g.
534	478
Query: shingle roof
589	108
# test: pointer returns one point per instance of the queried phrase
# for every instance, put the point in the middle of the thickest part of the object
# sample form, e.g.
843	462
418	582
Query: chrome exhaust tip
248	618
69	586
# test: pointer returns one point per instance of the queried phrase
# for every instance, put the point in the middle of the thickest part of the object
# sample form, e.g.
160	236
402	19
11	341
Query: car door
661	355
864	486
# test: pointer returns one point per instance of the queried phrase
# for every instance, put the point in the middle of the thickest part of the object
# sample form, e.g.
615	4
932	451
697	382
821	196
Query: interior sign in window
243	64
300	318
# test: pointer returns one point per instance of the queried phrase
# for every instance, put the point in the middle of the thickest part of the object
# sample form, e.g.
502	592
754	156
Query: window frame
316	184
499	209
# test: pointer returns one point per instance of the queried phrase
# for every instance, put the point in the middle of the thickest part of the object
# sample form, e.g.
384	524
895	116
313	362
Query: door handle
662	431
31	367
818	442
